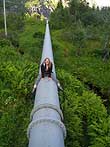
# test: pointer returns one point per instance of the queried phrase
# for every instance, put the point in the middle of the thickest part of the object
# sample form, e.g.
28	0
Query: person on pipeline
46	71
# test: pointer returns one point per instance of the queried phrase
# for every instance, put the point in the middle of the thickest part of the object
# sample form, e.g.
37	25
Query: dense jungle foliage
81	46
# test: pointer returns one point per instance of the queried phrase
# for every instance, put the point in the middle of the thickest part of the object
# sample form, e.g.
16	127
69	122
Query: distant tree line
81	21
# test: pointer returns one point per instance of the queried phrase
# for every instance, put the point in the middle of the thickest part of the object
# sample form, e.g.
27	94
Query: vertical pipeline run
46	128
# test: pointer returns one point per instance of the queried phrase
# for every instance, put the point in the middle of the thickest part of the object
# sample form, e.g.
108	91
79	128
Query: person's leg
36	83
38	80
56	81
54	78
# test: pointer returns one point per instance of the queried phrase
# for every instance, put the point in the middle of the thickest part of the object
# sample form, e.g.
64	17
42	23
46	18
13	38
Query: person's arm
50	70
42	70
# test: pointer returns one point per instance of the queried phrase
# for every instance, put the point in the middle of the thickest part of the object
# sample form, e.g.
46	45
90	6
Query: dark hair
50	63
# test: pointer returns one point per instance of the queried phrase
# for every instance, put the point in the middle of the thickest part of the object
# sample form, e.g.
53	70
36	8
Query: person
46	71
46	68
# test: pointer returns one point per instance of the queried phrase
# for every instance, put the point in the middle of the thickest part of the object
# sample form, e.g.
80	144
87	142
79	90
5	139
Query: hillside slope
86	115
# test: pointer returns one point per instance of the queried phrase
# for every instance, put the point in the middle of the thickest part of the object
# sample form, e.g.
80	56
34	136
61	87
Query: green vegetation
81	43
17	75
85	116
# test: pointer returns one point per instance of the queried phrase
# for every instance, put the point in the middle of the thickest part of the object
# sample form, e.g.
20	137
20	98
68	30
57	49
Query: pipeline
46	128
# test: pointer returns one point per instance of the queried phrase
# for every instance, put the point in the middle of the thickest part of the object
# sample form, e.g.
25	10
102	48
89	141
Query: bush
85	115
17	74
4	42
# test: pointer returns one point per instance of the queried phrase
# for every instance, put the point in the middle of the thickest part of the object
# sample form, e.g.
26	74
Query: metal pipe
5	24
46	128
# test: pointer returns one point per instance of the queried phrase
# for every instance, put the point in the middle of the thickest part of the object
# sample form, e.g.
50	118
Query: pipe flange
36	108
50	120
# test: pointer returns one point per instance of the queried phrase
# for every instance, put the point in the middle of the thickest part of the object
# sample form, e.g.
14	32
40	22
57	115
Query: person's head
47	61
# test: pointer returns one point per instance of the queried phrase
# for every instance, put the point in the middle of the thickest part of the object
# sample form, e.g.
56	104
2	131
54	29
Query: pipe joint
43	120
51	106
